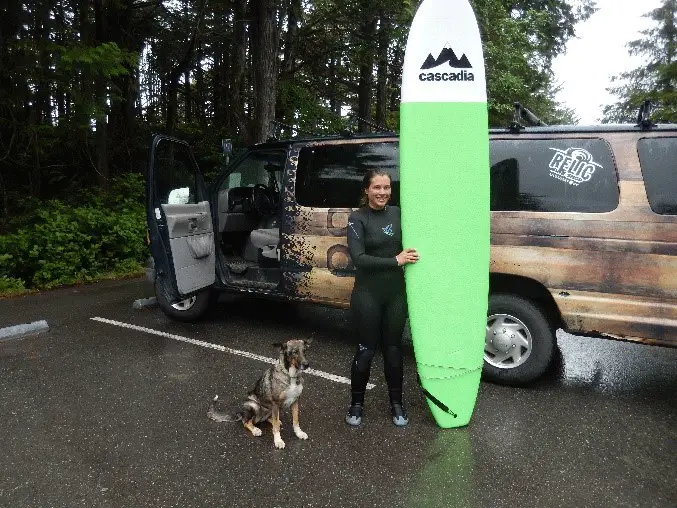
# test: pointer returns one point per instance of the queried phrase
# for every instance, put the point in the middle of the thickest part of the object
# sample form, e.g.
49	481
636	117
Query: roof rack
354	119
523	113
644	116
275	129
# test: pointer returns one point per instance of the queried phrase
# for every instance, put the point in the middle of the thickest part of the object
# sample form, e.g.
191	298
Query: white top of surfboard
444	61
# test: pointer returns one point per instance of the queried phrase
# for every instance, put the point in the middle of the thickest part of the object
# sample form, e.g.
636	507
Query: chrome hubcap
508	342
185	304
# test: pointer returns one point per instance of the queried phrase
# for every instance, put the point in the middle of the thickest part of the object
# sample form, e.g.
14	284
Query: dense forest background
84	84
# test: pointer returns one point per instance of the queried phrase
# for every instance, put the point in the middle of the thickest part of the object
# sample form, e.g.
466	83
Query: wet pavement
93	414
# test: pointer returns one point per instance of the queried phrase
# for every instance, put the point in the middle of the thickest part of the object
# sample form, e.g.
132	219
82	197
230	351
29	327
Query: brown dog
279	386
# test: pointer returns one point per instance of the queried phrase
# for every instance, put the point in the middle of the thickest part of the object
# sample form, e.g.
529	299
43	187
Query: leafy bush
64	243
9	285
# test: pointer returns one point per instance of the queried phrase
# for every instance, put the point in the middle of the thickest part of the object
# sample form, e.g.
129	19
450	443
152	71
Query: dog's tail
218	416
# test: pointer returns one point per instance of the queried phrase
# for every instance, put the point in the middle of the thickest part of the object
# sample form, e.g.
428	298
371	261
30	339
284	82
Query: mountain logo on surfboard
447	55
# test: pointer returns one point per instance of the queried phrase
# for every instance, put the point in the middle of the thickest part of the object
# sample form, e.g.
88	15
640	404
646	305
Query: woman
378	302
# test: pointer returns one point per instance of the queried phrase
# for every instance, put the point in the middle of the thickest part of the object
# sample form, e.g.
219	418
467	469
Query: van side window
658	157
553	175
330	176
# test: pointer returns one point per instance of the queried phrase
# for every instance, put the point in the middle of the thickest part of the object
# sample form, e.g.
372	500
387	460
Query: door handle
192	224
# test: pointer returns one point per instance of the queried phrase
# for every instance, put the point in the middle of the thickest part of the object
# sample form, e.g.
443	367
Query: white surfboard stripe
444	29
218	347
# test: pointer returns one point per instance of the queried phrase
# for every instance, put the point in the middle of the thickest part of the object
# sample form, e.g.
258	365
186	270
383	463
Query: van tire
533	334
189	310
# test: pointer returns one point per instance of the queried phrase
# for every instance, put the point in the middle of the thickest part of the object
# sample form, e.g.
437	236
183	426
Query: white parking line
246	354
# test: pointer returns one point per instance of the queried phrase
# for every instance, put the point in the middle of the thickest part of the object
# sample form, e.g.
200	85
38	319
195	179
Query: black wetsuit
378	302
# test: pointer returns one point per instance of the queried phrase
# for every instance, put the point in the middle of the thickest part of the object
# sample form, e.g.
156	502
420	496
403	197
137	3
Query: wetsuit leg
394	319
367	315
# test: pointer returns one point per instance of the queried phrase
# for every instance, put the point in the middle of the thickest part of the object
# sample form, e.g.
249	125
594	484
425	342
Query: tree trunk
188	101
285	108
365	85
200	92
59	92
42	95
181	68
85	80
395	78
9	30
11	97
172	102
101	134
120	29
332	93
238	65
264	52
382	73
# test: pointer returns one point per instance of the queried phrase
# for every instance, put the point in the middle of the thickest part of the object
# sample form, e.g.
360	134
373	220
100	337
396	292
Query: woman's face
378	192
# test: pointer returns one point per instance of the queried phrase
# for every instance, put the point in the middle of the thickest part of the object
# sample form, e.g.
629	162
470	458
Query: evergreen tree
657	78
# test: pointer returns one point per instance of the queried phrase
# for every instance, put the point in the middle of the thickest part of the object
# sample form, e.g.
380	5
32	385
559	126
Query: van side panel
645	320
315	258
610	273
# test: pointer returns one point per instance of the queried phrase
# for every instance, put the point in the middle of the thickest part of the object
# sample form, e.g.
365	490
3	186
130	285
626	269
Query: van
583	231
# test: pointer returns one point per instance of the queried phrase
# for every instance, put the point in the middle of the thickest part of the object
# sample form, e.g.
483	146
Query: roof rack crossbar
276	127
355	119
523	113
644	115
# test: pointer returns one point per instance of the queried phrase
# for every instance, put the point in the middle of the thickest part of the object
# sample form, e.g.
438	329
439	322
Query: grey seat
266	240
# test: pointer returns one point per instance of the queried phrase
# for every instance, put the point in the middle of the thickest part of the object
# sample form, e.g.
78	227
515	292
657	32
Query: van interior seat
267	240
264	233
233	221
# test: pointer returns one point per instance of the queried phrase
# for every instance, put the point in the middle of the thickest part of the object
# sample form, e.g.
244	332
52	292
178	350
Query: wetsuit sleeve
356	246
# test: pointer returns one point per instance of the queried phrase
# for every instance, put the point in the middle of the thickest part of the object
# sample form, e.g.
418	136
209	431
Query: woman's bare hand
407	256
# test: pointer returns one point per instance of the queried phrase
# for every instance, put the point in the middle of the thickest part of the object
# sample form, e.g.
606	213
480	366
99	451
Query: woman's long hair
366	182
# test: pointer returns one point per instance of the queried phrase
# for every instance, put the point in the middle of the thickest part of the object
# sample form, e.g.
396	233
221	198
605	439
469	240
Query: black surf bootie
400	418
354	416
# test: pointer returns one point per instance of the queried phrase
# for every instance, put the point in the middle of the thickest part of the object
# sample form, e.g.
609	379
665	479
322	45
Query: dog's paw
300	434
279	444
256	431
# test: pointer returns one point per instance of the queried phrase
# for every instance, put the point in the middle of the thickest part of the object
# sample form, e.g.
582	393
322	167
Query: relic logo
573	166
447	56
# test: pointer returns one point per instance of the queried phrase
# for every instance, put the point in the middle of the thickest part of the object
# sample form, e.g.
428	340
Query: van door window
553	175
658	157
174	174
330	176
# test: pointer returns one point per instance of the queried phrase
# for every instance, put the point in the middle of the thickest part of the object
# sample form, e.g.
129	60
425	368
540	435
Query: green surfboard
444	175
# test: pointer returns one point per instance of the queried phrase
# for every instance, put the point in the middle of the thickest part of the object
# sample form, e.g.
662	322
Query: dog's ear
307	342
278	345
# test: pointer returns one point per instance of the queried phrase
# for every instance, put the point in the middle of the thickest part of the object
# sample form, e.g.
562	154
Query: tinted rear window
330	176
658	157
553	175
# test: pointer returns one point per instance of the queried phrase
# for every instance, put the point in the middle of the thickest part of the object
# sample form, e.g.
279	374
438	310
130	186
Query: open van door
180	229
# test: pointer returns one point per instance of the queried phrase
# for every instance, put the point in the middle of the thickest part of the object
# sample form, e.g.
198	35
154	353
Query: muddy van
583	232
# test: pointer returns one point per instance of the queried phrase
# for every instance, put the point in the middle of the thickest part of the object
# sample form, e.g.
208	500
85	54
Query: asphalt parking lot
108	409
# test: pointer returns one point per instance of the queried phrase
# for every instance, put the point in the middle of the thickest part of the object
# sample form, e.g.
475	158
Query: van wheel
519	342
190	309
